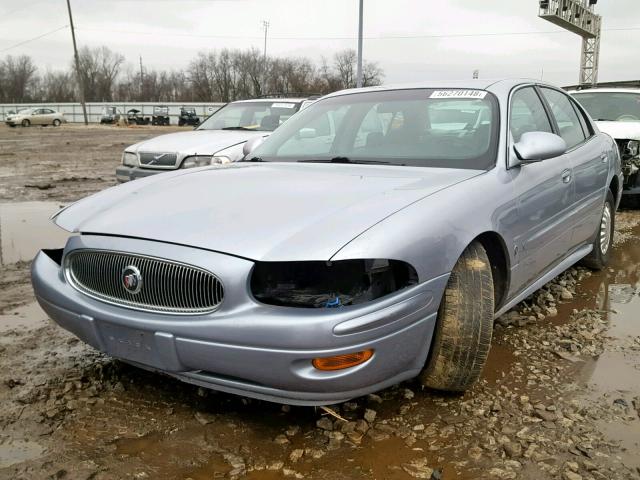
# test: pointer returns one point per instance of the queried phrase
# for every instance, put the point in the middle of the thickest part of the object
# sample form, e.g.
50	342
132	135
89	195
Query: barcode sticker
476	94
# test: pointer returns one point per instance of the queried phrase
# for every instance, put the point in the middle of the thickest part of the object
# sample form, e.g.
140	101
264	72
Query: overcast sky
446	38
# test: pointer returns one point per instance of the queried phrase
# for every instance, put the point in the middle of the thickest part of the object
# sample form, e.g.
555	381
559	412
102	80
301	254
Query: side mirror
537	146
251	144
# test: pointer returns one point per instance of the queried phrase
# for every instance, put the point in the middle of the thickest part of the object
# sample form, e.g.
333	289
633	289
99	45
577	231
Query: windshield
26	111
259	116
417	127
612	106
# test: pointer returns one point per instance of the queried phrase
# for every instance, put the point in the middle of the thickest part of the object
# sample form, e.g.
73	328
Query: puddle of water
16	451
24	317
25	228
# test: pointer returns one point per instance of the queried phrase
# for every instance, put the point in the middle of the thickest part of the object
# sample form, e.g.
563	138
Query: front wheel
462	337
603	241
56	122
26	123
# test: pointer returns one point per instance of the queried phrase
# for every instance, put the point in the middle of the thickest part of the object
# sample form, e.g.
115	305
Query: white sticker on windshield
476	94
283	105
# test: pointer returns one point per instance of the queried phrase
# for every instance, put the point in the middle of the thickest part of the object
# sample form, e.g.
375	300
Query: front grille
164	286
158	159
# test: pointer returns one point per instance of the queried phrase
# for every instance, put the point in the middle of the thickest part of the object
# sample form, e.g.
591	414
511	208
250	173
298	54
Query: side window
584	120
527	114
566	117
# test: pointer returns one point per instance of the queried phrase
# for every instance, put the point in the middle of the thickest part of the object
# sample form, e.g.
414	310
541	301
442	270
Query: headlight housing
130	159
633	148
317	284
197	161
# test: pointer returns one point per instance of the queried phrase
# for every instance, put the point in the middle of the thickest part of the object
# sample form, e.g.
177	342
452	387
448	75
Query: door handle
604	157
566	176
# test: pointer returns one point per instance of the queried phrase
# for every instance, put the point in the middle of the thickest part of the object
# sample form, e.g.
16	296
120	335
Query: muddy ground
559	398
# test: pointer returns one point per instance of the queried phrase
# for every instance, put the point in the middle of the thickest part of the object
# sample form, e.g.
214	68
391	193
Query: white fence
73	111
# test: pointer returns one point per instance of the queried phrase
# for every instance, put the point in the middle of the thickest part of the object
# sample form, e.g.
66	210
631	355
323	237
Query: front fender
432	233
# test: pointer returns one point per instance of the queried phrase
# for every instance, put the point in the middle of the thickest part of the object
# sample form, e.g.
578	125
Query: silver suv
219	139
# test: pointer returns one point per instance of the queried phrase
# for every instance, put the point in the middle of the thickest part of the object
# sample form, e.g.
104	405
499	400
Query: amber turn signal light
340	362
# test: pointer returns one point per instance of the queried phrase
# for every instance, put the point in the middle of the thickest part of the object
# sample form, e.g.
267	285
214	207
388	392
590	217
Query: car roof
493	84
606	90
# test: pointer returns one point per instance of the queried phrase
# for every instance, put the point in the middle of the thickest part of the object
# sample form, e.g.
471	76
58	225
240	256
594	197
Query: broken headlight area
630	155
318	284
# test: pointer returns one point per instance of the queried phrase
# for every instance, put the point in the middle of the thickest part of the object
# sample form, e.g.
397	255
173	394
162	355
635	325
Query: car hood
621	130
204	142
270	212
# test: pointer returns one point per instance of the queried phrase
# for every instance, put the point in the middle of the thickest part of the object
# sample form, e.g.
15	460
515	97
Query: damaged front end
630	155
317	284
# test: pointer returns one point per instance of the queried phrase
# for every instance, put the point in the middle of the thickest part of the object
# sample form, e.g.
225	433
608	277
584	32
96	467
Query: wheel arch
496	249
614	186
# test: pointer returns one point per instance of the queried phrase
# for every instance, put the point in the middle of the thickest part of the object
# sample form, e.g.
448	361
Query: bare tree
19	78
224	75
345	65
57	86
99	68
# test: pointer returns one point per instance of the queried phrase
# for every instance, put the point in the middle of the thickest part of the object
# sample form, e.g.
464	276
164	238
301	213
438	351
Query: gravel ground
559	398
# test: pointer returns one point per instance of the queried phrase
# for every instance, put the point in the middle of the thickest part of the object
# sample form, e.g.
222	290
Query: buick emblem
131	279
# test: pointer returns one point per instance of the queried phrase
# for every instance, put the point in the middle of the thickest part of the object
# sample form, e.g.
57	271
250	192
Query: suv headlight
130	159
633	148
197	161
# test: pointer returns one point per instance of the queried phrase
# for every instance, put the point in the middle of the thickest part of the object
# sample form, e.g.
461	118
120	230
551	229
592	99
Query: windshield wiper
342	160
237	128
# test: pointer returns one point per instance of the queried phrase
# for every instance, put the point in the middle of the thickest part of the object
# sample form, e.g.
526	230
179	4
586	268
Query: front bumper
245	347
125	174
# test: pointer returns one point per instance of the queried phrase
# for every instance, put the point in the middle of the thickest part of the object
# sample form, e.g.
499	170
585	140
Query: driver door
545	194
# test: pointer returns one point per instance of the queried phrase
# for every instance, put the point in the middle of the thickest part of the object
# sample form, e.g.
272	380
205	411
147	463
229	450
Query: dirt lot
559	399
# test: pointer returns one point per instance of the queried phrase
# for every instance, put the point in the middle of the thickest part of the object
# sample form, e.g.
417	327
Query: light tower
578	17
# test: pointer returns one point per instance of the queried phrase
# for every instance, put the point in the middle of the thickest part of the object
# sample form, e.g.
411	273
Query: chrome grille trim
167	286
167	160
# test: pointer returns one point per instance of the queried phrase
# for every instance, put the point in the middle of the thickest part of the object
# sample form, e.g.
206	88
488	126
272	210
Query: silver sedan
36	116
372	238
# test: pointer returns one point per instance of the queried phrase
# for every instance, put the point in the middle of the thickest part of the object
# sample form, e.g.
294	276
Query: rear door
545	193
588	155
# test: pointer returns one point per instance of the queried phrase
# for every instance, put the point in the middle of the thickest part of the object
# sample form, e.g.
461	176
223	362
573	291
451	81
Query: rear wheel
603	241
56	122
464	327
26	123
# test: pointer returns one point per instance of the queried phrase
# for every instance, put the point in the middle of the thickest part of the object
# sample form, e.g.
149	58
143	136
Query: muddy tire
26	123
603	239
56	122
462	338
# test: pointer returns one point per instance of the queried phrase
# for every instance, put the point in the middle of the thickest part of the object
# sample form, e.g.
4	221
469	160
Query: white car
219	139
617	113
36	116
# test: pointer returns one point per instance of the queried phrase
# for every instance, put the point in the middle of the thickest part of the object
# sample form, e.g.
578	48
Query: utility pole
141	80
75	55
265	25
359	74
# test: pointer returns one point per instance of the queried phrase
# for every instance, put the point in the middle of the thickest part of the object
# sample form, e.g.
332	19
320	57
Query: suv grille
163	286
158	159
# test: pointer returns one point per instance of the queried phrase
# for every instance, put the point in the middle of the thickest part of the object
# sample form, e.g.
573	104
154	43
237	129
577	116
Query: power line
34	38
350	37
